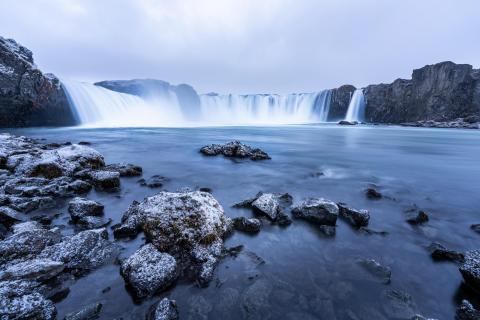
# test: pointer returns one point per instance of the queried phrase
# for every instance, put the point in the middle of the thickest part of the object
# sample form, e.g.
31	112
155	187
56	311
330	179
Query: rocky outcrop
470	269
317	210
441	92
187	97
29	97
235	149
339	101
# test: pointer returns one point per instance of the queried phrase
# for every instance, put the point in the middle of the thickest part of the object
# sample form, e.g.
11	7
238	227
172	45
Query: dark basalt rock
457	123
251	225
347	123
317	210
475	227
89	312
442	92
149	271
371	193
81	207
155	181
272	206
339	101
125	169
357	218
36	270
467	312
235	149
9	216
470	269
165	309
439	252
29	97
419	218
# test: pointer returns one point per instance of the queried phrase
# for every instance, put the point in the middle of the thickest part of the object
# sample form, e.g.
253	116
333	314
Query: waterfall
266	108
356	107
96	106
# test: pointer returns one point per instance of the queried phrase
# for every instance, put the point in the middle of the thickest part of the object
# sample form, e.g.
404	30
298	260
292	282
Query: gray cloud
244	46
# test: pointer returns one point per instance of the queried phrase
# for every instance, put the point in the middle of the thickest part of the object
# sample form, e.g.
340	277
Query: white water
356	107
96	106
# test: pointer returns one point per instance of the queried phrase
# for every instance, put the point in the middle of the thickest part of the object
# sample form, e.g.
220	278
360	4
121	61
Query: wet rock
105	180
272	205
328	231
251	225
398	304
125	169
205	189
371	193
382	273
36	269
439	252
357	218
190	226
470	269
248	202
84	143
30	204
369	231
79	187
81	207
165	309
155	181
20	300
317	210
89	312
419	218
149	271
467	312
92	222
235	149
9	216
347	123
475	227
84	251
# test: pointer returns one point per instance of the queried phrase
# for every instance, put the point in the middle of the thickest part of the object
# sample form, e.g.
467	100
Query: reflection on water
295	272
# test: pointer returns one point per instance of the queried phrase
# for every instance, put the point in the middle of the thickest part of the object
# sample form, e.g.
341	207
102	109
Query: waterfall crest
356	107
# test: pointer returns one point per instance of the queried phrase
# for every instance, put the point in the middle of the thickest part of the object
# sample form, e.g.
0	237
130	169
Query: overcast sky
244	46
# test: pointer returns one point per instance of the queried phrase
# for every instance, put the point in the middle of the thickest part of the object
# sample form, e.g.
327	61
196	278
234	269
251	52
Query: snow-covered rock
165	309
317	210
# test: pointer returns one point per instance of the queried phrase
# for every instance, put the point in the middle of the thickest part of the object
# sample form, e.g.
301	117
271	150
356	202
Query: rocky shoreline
184	232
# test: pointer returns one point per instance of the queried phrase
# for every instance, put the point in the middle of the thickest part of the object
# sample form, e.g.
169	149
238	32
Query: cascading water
356	108
96	106
266	108
99	107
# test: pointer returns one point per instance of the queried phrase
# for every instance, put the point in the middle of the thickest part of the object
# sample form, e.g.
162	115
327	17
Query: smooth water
305	276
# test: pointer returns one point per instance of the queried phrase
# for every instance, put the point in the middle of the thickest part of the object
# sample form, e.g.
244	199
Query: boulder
419	218
9	216
272	206
467	312
125	169
165	309
249	225
235	149
36	269
81	207
371	193
470	269
188	225
155	181
26	204
105	180
357	218
149	271
89	312
347	123
317	210
439	252
79	187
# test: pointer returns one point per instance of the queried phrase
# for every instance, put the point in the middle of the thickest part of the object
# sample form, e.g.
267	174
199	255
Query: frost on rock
36	269
84	251
166	309
470	269
271	205
188	225
317	210
149	271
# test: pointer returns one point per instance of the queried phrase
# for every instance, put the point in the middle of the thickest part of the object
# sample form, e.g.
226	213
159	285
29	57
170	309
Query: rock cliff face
441	92
186	95
27	96
339	102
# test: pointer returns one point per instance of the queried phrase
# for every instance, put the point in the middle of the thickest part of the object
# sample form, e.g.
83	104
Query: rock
81	207
369	231
470	269
373	194
155	181
398	304
205	189
347	123
442	92
84	251
29	97
475	227
149	271
165	309
79	187
38	187
439	252
380	272
105	180
9	216
92	222
36	269
84	143
328	231
457	123
251	225
125	169
25	204
271	205
420	218
357	218
90	312
317	210
467	312
190	226
20	300
339	101
235	149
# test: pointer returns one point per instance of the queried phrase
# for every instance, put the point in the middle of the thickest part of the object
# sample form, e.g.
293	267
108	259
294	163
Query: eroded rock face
317	210
442	92
149	271
29	97
188	225
166	309
235	149
470	269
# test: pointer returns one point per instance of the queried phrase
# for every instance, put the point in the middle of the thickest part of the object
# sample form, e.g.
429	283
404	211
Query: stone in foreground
248	225
439	252
166	309
89	312
272	205
149	271
467	312
357	218
81	207
470	269
235	149
125	169
420	218
317	210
